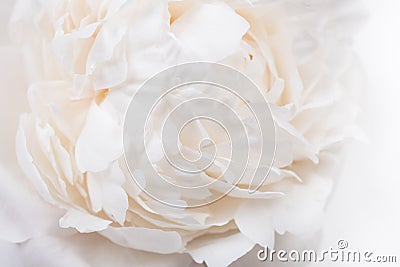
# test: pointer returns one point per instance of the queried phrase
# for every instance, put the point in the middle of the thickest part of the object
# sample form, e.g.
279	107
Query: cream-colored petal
210	32
100	141
219	250
106	192
83	221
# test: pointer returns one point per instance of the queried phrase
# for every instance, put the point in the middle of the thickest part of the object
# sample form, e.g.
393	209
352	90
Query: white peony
86	59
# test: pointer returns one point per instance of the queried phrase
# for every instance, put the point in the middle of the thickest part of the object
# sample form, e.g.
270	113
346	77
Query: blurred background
365	207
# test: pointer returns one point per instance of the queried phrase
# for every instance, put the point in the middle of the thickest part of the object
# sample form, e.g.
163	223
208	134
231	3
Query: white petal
54	101
300	211
71	49
254	221
63	159
95	188
220	250
106	192
109	36
26	162
111	72
158	43
83	221
210	31
100	142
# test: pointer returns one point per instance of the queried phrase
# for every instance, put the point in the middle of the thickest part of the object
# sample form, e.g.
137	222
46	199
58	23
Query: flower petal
100	141
210	31
221	250
83	221
26	162
254	221
106	192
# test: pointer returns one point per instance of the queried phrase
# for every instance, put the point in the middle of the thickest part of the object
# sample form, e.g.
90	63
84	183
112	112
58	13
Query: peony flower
86	60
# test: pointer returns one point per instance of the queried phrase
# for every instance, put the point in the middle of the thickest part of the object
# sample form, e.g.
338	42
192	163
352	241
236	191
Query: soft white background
365	207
